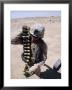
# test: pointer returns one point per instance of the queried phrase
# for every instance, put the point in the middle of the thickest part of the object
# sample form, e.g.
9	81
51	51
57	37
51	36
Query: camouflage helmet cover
37	30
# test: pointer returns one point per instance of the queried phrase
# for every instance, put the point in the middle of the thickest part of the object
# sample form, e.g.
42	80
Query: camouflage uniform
38	55
39	51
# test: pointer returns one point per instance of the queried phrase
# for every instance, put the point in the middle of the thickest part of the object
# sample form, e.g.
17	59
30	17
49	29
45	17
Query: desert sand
52	37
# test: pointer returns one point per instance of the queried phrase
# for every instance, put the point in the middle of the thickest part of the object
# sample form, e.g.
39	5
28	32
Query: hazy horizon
28	14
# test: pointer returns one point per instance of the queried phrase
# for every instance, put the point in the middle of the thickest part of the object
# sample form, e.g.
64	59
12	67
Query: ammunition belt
26	56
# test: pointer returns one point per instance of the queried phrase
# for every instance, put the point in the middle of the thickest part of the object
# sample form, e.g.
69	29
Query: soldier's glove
28	74
26	68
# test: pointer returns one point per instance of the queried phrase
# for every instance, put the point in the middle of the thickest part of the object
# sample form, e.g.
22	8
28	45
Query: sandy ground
52	37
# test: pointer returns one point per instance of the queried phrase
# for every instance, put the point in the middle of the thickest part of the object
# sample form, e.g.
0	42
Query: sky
24	14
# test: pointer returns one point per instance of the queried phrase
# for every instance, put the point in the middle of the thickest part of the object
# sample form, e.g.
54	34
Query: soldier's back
39	51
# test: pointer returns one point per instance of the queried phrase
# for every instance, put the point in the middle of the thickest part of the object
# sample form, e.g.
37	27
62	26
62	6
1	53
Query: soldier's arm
17	40
45	49
44	53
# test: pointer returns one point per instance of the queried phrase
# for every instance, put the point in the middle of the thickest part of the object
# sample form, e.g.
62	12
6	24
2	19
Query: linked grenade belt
26	55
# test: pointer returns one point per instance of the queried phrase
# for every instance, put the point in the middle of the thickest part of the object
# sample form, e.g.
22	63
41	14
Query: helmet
25	28
37	30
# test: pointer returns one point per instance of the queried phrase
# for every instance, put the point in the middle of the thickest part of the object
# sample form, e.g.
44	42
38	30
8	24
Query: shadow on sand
50	74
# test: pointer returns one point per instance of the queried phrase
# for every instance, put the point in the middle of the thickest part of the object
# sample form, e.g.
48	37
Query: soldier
38	50
34	48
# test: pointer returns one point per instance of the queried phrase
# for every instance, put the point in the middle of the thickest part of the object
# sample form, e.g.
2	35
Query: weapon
57	65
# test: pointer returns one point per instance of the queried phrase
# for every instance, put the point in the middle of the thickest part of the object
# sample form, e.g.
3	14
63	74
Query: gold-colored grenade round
26	54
